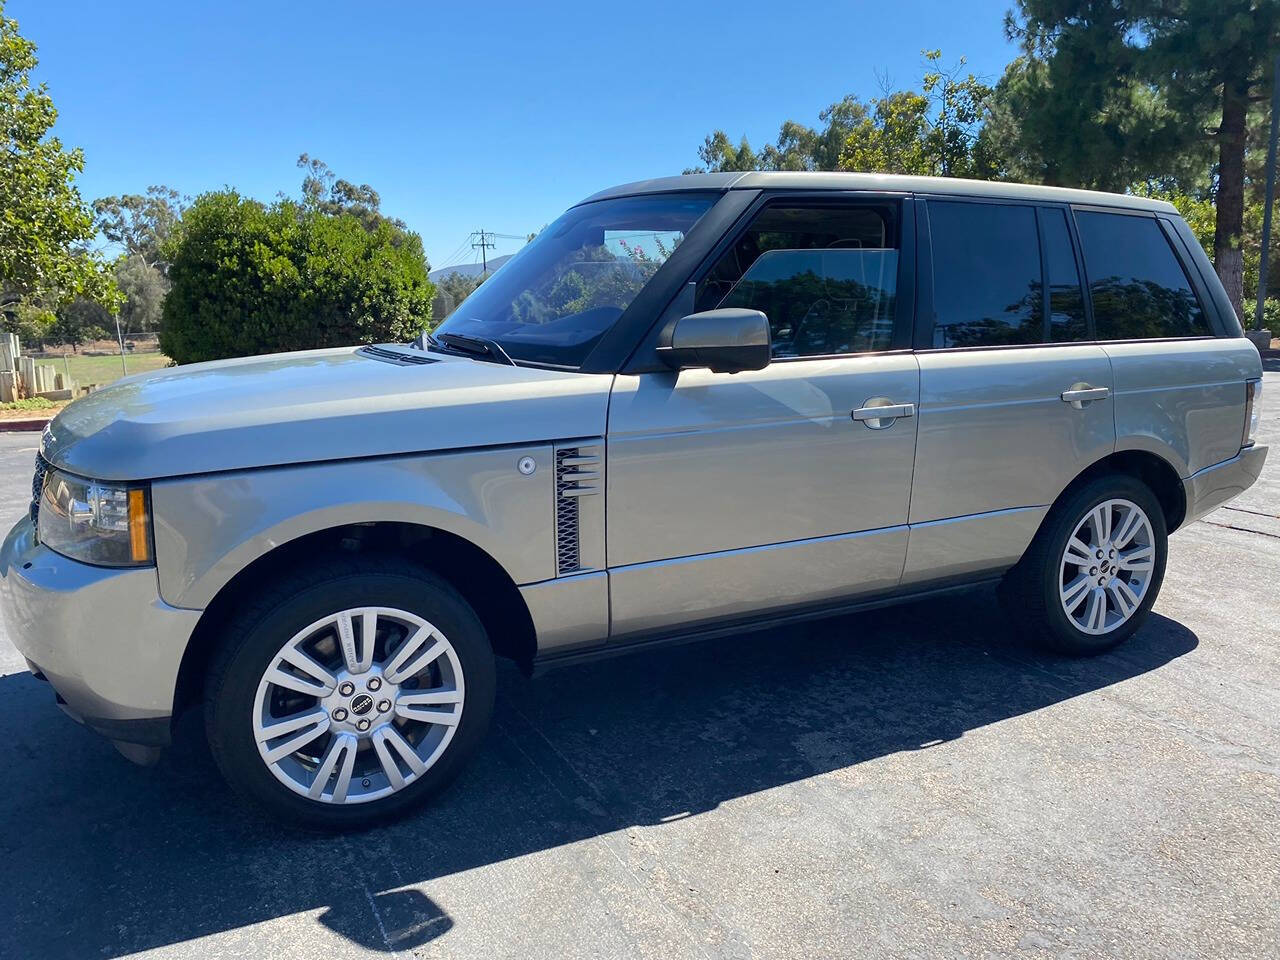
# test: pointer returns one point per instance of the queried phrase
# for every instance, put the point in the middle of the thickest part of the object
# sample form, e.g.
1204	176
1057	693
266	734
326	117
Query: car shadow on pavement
107	858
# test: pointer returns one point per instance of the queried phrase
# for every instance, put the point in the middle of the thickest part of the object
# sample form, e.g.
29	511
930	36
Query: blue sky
462	115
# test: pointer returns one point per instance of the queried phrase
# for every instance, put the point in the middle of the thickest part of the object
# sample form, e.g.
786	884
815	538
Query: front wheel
1093	573
349	694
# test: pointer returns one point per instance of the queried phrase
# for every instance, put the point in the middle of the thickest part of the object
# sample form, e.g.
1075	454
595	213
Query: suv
690	406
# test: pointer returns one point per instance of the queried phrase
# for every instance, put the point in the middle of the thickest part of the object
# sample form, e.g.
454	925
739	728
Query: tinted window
1138	287
1066	302
986	274
826	277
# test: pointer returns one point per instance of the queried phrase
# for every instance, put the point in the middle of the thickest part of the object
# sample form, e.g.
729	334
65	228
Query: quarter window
1139	289
986	274
825	276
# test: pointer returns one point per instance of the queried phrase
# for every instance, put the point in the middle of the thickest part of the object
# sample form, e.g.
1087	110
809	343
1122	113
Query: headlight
1252	411
103	523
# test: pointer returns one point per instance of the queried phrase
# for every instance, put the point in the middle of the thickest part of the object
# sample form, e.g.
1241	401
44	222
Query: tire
1039	591
409	716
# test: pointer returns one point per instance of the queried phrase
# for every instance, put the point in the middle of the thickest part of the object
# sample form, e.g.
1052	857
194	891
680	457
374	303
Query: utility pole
120	340
484	243
1271	191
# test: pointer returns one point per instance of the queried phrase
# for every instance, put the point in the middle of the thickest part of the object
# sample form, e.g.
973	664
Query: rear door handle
1081	393
881	412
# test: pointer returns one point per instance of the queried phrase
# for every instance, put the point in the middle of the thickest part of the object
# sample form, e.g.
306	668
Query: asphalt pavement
908	782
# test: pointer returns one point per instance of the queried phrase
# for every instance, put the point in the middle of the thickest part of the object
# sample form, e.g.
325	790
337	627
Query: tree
932	131
935	132
891	138
1136	82
143	287
719	155
45	226
140	223
1071	111
798	147
250	278
324	192
958	107
1221	52
79	322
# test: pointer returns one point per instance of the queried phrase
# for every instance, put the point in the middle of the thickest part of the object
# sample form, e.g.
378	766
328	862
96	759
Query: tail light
1252	411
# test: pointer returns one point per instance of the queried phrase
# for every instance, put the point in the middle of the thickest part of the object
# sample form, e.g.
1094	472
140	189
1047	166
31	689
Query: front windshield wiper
475	346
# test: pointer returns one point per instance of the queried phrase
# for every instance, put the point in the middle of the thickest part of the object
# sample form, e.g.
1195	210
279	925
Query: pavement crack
1232	526
1256	513
377	918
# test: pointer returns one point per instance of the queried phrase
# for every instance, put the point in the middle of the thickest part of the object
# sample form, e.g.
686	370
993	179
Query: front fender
209	528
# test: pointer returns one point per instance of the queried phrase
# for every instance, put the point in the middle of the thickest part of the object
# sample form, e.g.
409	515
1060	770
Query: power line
459	253
460	250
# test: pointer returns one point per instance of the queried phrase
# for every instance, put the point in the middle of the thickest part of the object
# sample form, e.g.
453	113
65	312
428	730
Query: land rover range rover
689	406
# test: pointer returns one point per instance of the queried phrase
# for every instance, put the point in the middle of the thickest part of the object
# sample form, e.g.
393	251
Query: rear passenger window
986	274
1139	289
825	276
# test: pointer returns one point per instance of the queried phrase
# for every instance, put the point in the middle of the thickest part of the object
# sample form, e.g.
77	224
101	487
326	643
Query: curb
15	426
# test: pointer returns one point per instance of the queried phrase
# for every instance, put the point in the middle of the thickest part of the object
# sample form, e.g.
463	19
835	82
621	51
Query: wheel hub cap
361	703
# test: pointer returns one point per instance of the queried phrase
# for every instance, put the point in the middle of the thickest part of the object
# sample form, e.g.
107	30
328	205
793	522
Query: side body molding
209	528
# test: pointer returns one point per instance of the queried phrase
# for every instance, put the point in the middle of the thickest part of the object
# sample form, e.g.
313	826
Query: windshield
554	300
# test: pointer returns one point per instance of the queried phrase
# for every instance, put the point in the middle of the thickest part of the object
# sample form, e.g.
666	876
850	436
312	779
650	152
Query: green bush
248	278
1270	316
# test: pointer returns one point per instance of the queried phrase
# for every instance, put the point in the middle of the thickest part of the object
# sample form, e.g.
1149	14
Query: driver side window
825	276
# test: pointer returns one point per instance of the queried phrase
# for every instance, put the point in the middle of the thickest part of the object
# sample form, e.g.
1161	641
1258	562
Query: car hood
316	405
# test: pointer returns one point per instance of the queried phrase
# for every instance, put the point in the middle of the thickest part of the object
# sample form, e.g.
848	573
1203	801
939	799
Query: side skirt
640	642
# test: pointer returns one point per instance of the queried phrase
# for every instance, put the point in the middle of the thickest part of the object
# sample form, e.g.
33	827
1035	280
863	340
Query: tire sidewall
1067	636
231	704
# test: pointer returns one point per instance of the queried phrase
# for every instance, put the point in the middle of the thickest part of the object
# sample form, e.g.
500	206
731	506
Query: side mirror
727	341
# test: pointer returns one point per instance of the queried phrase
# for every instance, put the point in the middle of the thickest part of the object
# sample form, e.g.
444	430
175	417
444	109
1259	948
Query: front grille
575	471
37	486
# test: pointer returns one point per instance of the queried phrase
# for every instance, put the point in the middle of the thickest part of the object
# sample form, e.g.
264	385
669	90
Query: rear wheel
351	693
1093	573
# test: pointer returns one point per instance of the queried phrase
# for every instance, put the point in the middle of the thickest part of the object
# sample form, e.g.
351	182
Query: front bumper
1213	486
102	637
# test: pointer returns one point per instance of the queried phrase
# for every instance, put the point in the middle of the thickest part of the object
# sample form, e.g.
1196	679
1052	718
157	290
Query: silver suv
689	407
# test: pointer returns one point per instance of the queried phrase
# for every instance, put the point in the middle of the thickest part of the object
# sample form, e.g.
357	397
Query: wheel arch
1155	471
483	582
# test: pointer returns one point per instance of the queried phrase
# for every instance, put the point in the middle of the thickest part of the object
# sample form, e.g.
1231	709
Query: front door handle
881	412
1081	393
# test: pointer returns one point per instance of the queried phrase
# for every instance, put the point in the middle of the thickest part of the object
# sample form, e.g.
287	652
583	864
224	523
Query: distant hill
470	269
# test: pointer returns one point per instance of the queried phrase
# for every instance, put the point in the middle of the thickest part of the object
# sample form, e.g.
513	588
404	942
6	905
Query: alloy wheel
358	705
1107	566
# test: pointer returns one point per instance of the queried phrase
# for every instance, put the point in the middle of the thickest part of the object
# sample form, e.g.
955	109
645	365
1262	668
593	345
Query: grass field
104	370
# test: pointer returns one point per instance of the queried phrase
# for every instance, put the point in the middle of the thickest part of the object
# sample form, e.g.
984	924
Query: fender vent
577	475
